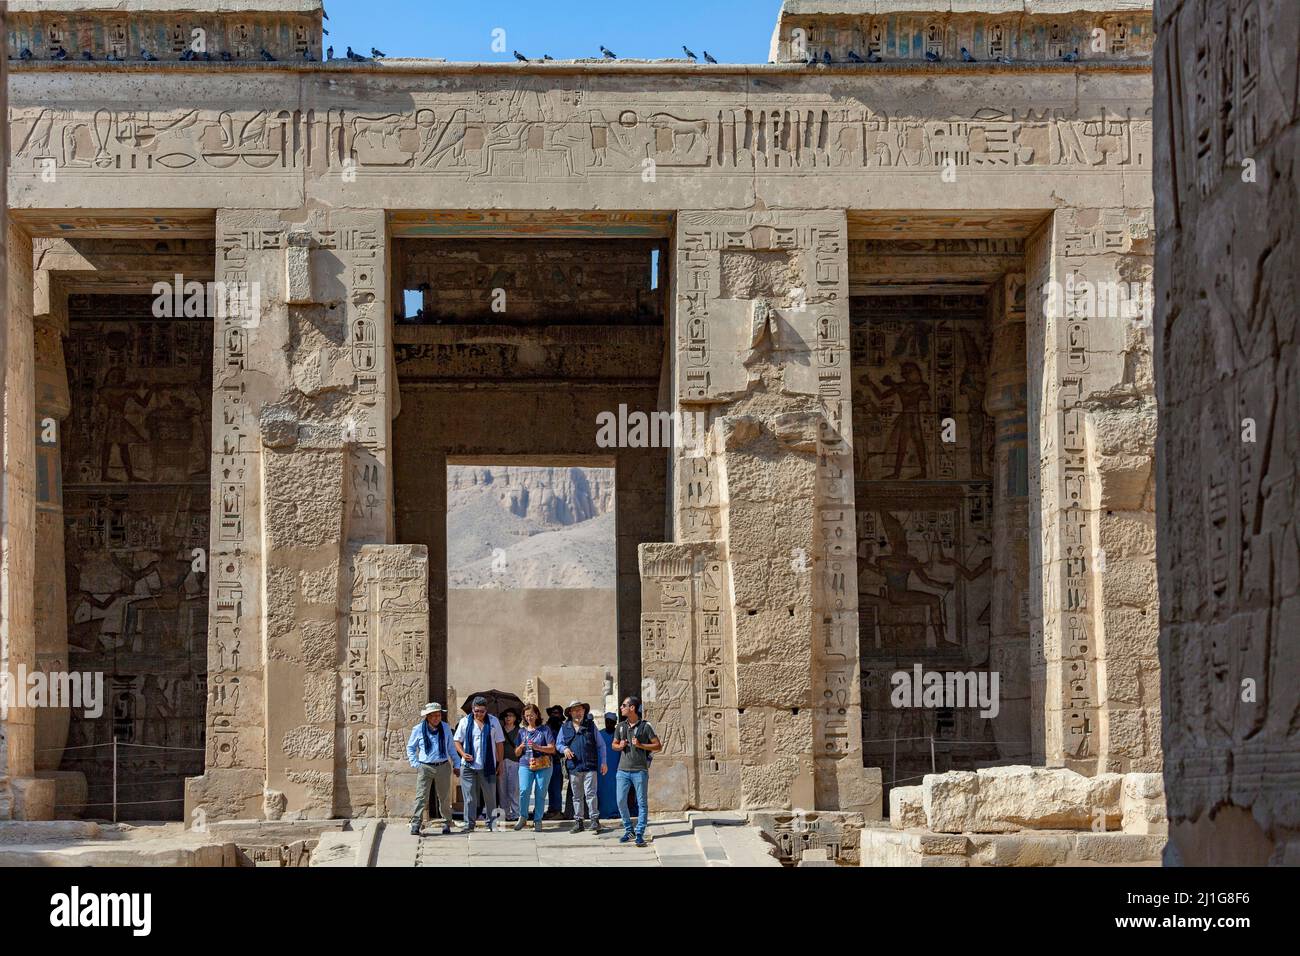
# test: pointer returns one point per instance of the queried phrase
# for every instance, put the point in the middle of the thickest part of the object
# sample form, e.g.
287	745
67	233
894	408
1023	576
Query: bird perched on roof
810	62
26	54
609	54
1004	59
377	54
186	56
308	56
354	57
873	57
708	58
87	55
329	53
689	55
547	56
854	58
932	56
520	57
59	54
225	56
826	57
266	55
207	57
1071	57
113	57
146	55
966	56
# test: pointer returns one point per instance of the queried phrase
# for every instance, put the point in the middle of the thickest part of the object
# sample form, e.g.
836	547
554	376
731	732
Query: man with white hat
579	744
435	759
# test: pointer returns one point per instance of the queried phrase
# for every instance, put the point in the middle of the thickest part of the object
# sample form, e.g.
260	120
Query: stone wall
287	29
134	507
1229	389
999	30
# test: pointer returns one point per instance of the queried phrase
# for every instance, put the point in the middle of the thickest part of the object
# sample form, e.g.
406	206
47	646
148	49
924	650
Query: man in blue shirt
435	759
480	741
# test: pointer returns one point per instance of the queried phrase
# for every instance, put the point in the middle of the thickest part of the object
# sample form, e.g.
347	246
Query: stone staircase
694	839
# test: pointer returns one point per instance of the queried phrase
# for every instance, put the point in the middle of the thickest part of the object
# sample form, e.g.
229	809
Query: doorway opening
940	472
516	351
532	603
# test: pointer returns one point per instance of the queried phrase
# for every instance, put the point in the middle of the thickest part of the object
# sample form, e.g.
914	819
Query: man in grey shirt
635	739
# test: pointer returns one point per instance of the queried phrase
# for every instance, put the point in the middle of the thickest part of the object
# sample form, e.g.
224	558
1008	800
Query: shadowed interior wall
135	495
924	520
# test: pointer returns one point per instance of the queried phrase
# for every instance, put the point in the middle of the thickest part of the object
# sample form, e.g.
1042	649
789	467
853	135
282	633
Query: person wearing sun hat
433	755
579	744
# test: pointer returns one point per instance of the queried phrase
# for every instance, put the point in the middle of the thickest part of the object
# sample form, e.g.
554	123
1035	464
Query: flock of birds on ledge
61	54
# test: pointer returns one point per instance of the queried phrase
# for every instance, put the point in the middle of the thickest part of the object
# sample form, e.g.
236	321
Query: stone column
1091	397
22	796
318	631
1228	374
749	627
1009	624
53	404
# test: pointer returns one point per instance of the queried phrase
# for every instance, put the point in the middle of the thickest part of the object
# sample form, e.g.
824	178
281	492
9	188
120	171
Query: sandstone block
1006	799
906	807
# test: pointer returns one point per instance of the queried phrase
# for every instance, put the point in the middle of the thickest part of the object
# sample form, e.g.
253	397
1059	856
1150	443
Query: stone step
695	840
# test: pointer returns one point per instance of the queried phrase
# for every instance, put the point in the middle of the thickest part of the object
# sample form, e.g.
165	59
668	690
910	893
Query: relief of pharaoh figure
913	394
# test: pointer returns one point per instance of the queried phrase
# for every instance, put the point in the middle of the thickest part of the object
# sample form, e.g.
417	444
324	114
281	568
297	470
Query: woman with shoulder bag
535	749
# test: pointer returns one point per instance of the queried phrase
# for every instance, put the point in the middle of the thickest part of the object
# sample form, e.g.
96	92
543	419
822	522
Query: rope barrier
44	750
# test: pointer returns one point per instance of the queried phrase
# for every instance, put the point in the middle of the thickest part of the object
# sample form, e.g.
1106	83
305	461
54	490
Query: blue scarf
490	757
428	743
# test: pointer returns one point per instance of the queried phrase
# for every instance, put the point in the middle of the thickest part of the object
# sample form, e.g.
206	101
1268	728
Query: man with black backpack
635	739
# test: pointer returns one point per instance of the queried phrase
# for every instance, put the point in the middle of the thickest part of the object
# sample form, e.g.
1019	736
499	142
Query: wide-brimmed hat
431	709
577	703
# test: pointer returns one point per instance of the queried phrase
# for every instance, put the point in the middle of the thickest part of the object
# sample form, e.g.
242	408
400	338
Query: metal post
932	767
893	773
115	778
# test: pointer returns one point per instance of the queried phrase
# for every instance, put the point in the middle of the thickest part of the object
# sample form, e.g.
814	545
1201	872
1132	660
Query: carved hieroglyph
1228	513
291	136
1091	394
301	423
764	511
922	30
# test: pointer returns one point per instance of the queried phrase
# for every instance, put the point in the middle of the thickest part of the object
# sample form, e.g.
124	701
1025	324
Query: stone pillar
51	596
317	653
22	796
1228	376
1009	624
749	626
1091	397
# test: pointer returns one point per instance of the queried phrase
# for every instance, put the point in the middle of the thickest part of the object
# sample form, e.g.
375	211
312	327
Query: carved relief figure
913	394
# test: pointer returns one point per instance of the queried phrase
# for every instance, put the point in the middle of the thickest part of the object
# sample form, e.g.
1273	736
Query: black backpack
640	737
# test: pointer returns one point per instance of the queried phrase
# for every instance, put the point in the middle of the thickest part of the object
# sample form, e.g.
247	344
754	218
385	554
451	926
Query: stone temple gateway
910	300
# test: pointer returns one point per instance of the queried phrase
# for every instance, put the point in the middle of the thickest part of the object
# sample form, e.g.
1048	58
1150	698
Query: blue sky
734	31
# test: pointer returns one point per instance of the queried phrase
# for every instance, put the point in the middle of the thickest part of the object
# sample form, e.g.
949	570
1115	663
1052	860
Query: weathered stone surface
1007	799
1227	188
907	807
1143	803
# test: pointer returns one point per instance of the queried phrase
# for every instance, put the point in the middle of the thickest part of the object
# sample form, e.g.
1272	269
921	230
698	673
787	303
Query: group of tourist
509	766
